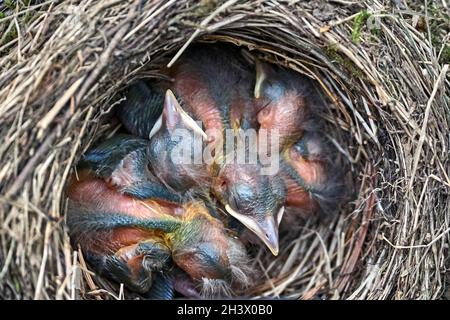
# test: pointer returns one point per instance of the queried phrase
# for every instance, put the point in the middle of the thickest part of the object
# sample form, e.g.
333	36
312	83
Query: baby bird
175	149
281	99
288	104
123	162
215	86
99	218
209	254
141	108
314	183
255	200
131	239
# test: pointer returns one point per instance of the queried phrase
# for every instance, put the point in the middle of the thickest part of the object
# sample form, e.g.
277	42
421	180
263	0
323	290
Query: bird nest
383	66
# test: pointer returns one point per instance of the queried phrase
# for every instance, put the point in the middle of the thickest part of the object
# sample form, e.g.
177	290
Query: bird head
280	98
201	246
308	159
175	148
256	200
107	157
122	161
313	177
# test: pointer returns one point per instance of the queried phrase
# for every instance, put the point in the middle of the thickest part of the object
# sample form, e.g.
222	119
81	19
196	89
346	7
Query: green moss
27	17
17	284
7	33
11	35
10	4
333	52
438	25
445	55
376	32
358	23
205	7
433	10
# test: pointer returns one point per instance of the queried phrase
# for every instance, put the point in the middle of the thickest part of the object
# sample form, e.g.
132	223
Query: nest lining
390	121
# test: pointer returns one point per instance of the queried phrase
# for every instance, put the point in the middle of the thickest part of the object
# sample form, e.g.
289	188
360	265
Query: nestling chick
256	200
314	183
175	149
100	220
208	253
123	162
141	108
129	239
215	85
280	96
289	104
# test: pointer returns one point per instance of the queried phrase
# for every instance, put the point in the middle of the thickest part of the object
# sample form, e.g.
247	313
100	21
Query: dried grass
390	121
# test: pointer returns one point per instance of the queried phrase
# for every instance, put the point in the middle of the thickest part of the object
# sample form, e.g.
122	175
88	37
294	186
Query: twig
423	130
29	167
198	30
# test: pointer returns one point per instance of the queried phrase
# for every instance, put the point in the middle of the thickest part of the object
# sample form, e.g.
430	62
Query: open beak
266	230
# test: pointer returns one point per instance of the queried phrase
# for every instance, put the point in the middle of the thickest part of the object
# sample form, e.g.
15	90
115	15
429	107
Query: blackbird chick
208	253
215	85
141	108
175	149
313	181
123	162
281	98
256	200
98	219
129	239
289	104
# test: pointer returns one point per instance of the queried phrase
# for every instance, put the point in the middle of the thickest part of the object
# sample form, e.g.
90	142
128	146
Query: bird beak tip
267	231
272	243
274	251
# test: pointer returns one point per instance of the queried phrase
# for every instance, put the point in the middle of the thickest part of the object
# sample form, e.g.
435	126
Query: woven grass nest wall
383	65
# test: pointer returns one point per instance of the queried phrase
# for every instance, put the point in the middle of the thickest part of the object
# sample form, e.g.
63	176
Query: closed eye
243	197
